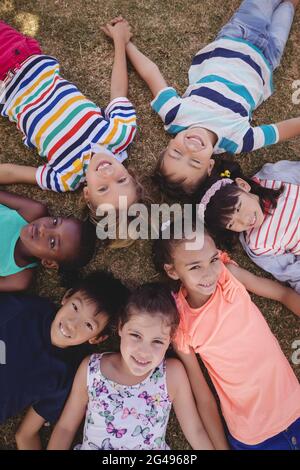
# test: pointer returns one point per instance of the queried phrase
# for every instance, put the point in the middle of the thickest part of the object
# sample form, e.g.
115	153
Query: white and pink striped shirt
280	230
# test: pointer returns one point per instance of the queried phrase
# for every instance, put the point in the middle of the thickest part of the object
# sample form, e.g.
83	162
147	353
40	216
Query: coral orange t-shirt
258	390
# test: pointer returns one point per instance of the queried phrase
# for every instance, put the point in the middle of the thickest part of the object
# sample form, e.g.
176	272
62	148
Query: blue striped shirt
228	79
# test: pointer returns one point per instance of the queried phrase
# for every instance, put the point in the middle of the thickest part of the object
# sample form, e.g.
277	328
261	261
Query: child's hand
118	29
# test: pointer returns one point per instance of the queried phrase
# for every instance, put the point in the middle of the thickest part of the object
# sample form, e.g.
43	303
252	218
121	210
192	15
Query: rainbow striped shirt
62	124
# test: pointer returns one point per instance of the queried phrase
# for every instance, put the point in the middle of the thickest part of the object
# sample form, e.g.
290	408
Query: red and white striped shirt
280	231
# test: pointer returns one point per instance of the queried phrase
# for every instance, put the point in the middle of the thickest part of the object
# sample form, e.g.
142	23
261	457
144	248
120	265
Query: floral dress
121	417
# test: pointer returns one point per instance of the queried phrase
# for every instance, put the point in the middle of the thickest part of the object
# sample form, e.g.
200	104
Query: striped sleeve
60	179
121	128
258	137
167	104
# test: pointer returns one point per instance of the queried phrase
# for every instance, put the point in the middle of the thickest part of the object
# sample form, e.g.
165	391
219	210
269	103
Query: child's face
77	322
145	339
52	239
198	270
248	213
188	157
107	180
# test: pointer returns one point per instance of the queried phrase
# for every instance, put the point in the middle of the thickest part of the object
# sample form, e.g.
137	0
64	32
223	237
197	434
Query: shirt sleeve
50	408
62	179
167	105
258	137
121	128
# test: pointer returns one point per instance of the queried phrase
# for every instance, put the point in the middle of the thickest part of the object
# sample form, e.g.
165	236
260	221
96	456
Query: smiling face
247	212
77	322
198	270
188	157
52	239
107	180
145	339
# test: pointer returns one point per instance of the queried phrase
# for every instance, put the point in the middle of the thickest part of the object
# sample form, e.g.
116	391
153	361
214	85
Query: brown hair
173	189
155	299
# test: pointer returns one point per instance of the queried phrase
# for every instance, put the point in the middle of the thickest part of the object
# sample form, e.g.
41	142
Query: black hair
221	206
87	247
106	292
156	299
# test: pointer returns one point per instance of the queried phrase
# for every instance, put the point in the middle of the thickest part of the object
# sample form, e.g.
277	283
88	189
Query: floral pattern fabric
121	417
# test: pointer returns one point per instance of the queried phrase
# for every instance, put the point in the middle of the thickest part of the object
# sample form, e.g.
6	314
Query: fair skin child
248	213
144	341
51	240
106	178
199	271
188	156
76	322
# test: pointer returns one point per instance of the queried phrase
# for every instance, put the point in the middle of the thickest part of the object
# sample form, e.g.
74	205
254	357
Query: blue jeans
289	439
264	23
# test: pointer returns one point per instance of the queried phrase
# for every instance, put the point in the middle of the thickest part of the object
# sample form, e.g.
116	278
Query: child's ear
98	339
171	272
243	184
86	193
67	295
211	165
49	264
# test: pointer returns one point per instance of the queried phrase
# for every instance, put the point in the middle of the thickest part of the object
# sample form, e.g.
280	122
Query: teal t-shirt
11	224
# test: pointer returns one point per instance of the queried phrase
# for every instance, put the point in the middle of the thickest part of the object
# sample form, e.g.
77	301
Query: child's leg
252	22
281	23
14	48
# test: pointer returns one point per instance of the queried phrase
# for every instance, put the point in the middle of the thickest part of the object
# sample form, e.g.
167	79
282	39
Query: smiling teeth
63	332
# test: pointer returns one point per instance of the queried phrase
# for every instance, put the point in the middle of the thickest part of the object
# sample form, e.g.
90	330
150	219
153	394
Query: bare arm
288	129
30	210
73	413
146	69
267	288
27	436
16	282
11	174
205	401
184	406
119	31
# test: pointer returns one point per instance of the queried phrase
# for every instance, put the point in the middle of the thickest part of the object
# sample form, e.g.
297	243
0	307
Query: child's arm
27	436
288	129
146	69
11	174
119	31
205	401
267	288
30	210
184	406
73	413
16	282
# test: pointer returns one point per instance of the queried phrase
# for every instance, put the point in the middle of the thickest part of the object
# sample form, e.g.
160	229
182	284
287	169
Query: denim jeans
289	439
264	23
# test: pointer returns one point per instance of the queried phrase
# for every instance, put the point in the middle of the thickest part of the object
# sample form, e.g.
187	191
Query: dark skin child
50	240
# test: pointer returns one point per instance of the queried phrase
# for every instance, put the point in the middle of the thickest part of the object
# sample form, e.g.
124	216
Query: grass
171	32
